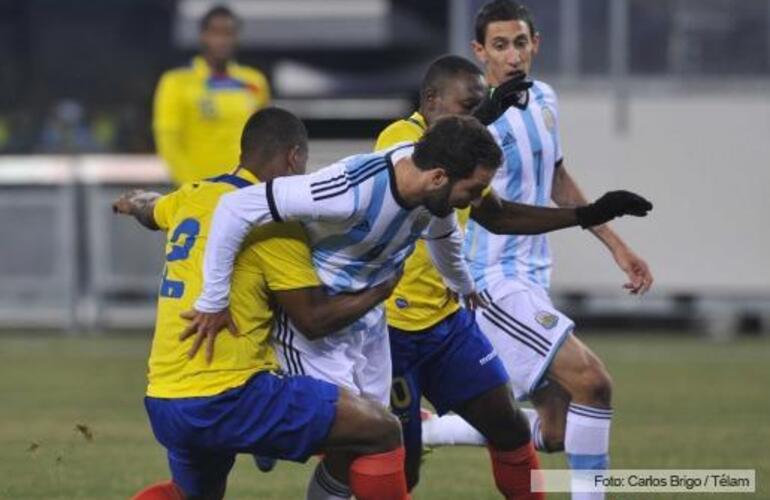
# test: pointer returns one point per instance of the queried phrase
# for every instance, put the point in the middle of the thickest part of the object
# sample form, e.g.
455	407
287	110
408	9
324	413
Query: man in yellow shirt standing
199	110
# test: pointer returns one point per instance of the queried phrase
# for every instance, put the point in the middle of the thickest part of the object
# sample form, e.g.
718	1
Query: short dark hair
444	68
501	10
216	11
271	131
458	144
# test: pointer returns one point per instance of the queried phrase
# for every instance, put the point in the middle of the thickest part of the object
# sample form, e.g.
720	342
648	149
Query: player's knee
385	430
596	384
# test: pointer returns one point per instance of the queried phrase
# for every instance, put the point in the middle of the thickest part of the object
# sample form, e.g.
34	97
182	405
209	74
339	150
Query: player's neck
491	81
408	182
265	171
217	66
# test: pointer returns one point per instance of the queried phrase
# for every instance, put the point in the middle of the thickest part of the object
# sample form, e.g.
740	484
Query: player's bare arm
503	217
317	314
567	193
138	204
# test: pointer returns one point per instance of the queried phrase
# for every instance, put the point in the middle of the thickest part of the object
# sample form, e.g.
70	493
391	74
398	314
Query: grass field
679	403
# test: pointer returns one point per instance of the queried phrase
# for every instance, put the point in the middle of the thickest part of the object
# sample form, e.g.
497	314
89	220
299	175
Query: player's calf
365	451
548	420
497	418
506	429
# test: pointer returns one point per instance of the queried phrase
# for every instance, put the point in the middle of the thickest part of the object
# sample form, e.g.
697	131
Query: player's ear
437	178
297	159
535	43
479	52
430	98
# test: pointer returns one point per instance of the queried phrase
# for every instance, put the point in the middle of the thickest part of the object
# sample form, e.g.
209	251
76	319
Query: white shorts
356	358
526	331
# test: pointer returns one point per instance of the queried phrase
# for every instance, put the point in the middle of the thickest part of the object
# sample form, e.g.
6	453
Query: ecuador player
429	331
200	109
205	412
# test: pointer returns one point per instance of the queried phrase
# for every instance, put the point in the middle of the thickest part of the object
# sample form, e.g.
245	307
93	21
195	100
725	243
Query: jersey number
182	242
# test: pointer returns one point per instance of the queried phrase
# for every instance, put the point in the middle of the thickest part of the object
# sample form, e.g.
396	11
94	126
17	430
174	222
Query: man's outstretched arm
503	217
140	205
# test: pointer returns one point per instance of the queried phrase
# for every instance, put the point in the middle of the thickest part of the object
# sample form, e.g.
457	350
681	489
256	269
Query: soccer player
205	411
566	382
363	215
200	110
430	333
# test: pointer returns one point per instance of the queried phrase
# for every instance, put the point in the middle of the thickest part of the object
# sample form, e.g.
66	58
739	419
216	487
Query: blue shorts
286	417
449	363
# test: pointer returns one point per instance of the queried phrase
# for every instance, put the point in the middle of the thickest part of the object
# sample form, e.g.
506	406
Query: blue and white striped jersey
531	148
360	229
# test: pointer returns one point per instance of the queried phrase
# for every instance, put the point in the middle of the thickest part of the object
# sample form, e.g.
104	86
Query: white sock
534	428
587	441
450	430
323	486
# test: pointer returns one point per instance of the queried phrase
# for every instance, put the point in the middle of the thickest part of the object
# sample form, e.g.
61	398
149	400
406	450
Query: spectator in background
67	130
200	109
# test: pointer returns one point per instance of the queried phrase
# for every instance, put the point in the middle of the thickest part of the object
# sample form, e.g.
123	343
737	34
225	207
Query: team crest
548	119
207	108
546	319
401	303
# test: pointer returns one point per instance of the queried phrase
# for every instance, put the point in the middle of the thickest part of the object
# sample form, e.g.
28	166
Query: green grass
680	403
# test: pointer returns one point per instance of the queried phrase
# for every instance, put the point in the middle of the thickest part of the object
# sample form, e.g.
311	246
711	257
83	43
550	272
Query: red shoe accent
166	490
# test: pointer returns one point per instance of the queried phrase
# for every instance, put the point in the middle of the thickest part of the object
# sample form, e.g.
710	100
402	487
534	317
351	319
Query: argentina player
534	340
363	216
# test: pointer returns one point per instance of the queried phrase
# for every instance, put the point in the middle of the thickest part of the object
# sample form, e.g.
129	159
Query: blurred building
350	65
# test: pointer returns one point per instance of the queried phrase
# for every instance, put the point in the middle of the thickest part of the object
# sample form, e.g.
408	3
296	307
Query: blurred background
670	98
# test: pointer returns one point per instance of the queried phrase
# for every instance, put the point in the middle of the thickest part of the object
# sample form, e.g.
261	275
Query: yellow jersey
274	257
421	298
198	117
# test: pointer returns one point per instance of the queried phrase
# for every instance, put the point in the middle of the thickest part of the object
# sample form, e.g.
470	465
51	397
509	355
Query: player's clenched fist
611	205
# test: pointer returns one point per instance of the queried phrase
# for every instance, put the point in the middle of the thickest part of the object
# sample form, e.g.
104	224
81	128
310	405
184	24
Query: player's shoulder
179	72
544	91
404	130
203	193
248	73
349	182
401	130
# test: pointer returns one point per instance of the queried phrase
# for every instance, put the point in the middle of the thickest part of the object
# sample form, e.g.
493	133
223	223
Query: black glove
611	205
514	92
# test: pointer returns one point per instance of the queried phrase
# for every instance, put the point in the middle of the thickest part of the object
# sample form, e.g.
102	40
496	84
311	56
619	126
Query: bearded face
438	202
